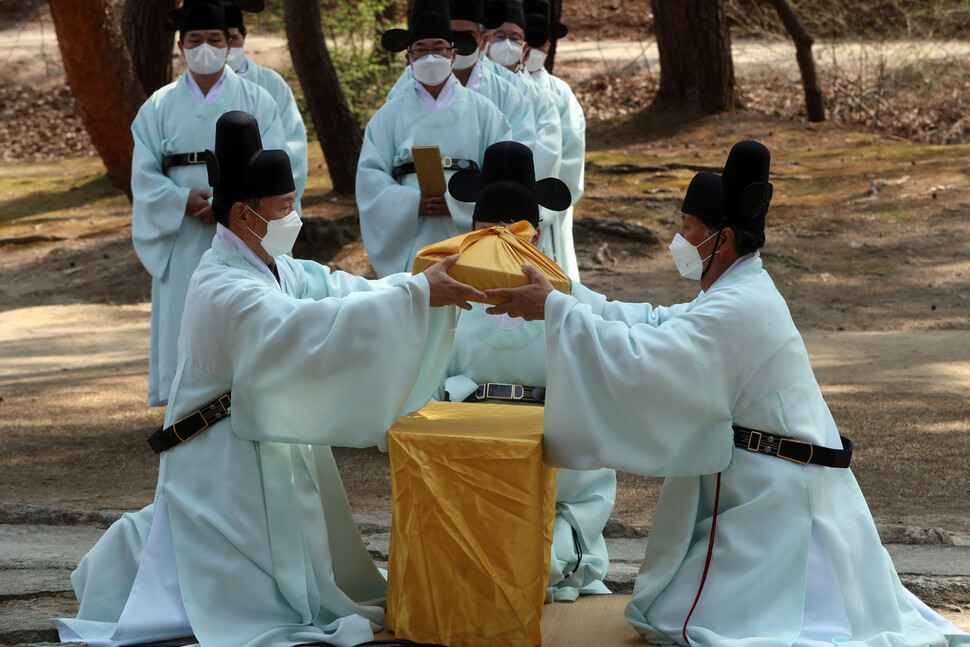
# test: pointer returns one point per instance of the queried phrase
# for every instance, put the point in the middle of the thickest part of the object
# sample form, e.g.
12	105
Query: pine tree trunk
696	69
149	41
102	78
806	62
337	129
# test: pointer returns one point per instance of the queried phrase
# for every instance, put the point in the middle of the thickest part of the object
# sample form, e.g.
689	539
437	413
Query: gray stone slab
23	583
621	577
626	549
373	523
45	546
378	546
931	560
25	622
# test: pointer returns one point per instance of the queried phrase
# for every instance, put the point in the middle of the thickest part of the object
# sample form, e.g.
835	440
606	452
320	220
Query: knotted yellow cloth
492	258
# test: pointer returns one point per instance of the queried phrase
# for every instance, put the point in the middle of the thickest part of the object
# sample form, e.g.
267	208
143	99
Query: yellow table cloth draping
492	258
474	508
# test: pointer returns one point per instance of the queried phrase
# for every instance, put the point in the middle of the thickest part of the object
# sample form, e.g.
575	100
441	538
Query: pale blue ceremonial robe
796	557
251	540
290	118
488	82
487	350
390	226
572	168
169	242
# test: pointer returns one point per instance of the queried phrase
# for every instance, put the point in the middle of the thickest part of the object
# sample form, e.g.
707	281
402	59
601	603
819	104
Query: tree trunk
337	129
555	15
149	41
102	78
696	69
806	62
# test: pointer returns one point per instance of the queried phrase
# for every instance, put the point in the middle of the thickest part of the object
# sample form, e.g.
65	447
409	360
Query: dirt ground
868	239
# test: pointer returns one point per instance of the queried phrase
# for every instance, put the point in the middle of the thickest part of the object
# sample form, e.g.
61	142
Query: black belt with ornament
501	392
447	163
190	425
182	159
797	451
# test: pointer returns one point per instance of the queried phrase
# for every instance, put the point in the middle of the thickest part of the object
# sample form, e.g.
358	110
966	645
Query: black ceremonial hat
745	186
473	10
705	199
429	19
197	14
505	190
237	140
498	12
538	20
268	173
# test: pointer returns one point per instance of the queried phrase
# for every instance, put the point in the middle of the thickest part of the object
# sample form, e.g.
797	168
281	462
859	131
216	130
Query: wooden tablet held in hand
431	174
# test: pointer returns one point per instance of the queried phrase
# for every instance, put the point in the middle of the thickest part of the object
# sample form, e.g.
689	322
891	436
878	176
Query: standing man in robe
480	74
172	221
290	118
250	539
502	359
395	219
507	45
761	533
572	169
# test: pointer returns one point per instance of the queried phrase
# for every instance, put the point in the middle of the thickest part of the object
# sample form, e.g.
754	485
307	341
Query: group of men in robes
761	535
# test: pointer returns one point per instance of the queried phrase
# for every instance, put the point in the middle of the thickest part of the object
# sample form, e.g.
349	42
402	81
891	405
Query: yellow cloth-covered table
492	258
473	515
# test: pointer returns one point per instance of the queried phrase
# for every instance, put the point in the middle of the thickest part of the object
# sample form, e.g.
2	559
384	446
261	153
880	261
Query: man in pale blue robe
172	223
746	547
572	168
290	118
395	219
480	74
510	353
250	539
507	44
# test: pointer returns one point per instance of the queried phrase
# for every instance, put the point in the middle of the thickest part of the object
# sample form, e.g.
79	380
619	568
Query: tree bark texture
555	15
337	129
806	62
696	69
102	78
149	41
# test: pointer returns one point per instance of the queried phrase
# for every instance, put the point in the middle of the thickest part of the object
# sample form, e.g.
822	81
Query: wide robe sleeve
336	366
572	168
158	203
652	400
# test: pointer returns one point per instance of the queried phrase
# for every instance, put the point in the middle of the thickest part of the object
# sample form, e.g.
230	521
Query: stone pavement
39	547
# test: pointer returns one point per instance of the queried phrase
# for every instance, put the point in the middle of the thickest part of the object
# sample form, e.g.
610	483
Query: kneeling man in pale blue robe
505	350
747	547
250	539
395	220
172	223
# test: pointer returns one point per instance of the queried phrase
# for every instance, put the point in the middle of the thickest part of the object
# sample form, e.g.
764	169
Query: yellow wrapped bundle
474	509
492	258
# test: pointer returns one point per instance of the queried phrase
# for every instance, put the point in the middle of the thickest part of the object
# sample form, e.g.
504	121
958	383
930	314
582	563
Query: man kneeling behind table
250	539
746	548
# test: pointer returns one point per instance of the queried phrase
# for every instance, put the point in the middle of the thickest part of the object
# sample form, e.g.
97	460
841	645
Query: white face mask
431	70
205	59
537	58
465	61
237	56
280	233
505	52
686	257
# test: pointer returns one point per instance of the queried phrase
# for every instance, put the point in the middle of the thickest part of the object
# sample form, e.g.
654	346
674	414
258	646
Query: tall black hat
268	173
705	199
473	10
237	140
505	190
744	182
235	9
429	19
197	14
539	22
